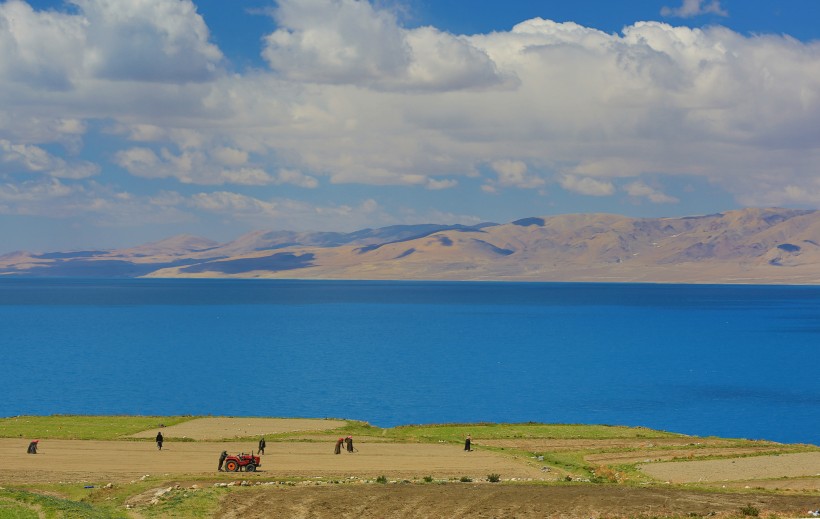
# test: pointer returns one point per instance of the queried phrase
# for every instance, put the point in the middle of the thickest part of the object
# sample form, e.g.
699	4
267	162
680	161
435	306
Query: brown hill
744	246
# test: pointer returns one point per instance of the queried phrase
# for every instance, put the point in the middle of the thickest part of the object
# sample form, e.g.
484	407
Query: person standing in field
338	449
349	443
159	440
468	444
32	447
222	460
262	445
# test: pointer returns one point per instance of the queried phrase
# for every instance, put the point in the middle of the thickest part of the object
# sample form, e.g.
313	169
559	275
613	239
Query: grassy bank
76	427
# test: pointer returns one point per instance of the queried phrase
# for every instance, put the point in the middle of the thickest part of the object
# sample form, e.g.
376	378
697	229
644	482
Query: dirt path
223	428
102	461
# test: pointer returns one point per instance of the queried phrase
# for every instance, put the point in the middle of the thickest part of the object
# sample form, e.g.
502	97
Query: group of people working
347	442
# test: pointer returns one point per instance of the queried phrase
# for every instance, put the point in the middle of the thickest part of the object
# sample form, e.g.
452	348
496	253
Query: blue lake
735	361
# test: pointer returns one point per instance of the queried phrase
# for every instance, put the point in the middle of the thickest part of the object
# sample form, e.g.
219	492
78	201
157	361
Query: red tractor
246	462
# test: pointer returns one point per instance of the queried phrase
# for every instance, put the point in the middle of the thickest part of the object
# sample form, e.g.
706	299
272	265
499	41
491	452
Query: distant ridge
755	245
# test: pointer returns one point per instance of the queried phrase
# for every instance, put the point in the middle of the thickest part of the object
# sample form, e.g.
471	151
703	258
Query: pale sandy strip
756	467
219	428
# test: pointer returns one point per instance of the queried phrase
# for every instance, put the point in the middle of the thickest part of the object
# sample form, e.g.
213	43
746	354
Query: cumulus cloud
284	213
587	186
17	157
297	178
444	217
228	156
436	185
241	176
639	189
147	40
351	42
39	48
27	197
93	204
144	40
234	204
807	193
26	126
694	8
514	173
216	166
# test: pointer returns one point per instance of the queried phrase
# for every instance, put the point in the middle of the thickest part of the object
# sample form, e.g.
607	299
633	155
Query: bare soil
457	500
546	444
118	461
757	467
221	428
667	455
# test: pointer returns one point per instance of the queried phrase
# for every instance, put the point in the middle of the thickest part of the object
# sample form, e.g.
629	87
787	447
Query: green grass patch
486	431
54	507
571	462
455	433
186	503
13	510
75	427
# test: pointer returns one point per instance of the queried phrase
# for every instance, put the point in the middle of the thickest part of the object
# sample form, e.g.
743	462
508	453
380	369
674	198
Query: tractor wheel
232	466
250	467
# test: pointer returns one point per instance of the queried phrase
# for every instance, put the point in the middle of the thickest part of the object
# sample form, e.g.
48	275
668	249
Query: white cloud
333	42
42	49
138	40
513	173
228	156
694	8
27	196
15	157
437	185
283	213
93	205
297	178
807	193
410	217
206	168
639	189
351	42
143	132
586	185
147	40
236	205
244	176
27	126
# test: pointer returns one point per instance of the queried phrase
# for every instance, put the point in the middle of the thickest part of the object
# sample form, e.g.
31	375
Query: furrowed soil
459	500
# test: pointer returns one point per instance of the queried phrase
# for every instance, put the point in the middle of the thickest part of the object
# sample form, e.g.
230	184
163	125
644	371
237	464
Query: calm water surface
736	361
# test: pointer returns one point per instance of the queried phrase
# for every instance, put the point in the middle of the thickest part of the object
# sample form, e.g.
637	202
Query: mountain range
754	245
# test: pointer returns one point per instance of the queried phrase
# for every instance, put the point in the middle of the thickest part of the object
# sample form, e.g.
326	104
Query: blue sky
128	122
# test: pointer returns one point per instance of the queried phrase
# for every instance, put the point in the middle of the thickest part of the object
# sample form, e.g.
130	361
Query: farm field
111	467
